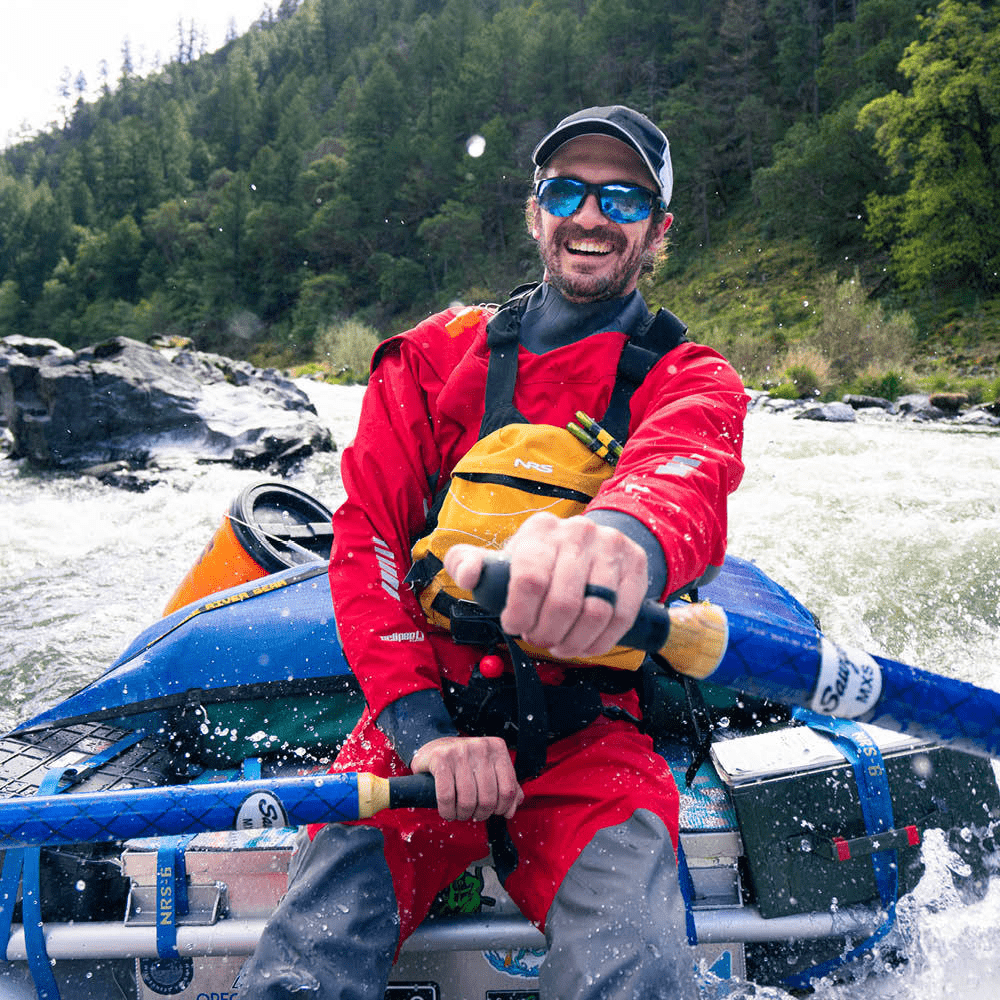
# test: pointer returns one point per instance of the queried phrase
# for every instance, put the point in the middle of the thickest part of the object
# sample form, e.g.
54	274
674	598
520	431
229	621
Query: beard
581	287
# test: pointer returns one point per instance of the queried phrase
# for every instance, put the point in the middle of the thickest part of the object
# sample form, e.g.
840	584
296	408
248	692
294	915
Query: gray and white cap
631	127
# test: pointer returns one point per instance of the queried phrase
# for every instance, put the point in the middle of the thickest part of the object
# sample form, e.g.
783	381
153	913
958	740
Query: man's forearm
414	720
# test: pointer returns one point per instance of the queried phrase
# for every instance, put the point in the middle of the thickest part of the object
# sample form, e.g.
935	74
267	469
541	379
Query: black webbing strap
503	337
641	351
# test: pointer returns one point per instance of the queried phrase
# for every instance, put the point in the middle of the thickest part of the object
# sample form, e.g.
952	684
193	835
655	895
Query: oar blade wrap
123	815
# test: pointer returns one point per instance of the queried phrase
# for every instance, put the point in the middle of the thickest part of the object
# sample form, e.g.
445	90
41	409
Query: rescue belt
515	469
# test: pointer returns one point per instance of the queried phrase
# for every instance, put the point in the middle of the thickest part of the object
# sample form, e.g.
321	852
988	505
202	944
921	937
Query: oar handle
691	637
408	791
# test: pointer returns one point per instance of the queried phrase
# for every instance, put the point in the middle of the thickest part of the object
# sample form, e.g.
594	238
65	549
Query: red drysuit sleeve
682	459
389	475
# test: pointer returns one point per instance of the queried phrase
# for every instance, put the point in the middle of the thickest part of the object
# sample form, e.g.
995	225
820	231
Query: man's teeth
590	246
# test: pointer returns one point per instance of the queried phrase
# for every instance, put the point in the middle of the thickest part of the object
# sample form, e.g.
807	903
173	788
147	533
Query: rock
949	402
833	412
867	402
918	406
978	416
122	476
123	400
778	405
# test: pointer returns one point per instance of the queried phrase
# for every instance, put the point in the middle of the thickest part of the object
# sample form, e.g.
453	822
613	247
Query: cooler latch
847	849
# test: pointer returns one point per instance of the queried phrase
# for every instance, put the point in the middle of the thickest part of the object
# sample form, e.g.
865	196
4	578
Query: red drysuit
421	413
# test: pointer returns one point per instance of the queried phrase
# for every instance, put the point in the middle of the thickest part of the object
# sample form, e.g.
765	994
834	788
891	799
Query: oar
797	666
90	817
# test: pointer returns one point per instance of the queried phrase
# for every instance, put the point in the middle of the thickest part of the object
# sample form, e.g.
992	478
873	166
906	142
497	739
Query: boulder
949	402
918	406
857	402
833	412
123	400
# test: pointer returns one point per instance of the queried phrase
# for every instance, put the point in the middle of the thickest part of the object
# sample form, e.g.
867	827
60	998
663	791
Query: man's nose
590	211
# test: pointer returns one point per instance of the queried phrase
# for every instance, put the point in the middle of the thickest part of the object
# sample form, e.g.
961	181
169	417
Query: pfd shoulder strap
503	334
642	350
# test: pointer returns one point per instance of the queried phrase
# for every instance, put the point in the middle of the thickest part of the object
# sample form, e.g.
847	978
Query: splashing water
887	532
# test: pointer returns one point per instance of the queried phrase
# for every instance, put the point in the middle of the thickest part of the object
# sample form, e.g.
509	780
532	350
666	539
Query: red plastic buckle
912	836
843	849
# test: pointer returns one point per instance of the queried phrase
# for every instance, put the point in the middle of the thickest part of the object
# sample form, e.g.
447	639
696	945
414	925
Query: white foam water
887	531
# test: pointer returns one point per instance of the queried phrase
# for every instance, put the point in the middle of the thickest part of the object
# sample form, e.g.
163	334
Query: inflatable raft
147	821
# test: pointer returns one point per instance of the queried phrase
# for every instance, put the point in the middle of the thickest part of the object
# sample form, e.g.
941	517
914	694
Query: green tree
453	236
943	140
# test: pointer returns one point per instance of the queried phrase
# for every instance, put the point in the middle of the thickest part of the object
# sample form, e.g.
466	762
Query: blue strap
171	892
23	867
251	769
31	905
10	879
687	893
865	758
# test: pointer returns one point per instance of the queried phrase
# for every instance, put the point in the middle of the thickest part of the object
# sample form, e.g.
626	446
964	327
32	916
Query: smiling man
532	725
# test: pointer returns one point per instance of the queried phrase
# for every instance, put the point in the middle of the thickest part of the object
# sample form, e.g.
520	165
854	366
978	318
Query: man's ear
656	240
534	221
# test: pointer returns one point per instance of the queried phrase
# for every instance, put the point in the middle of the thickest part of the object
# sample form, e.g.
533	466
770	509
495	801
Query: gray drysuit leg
616	929
335	932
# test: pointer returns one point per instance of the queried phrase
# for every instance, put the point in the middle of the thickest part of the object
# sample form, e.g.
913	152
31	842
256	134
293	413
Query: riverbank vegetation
348	166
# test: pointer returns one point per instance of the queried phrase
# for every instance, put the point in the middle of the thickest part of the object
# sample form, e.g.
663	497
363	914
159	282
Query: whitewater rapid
887	531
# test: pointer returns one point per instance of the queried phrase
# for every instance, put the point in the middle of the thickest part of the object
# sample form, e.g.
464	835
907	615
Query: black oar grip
491	591
412	791
650	630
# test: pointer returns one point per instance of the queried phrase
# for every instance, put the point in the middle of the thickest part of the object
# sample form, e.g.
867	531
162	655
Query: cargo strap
171	892
687	893
865	758
22	867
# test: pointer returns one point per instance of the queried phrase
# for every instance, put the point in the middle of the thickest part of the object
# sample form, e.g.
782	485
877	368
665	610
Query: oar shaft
91	817
798	666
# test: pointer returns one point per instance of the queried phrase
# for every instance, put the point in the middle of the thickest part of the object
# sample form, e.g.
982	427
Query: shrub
787	390
347	346
855	332
886	383
753	358
807	370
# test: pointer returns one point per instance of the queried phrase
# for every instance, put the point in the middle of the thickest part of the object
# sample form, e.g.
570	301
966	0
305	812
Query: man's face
586	255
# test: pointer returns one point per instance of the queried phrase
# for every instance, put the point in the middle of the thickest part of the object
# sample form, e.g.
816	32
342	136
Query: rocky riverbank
944	408
121	408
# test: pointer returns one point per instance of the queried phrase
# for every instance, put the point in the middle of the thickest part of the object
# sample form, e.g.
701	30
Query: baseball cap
631	127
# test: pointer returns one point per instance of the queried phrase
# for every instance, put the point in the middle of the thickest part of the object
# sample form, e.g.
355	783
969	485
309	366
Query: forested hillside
318	167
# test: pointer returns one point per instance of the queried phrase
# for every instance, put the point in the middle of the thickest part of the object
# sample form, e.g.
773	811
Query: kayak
147	821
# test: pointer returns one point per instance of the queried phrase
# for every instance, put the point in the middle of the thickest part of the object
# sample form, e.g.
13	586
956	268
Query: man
588	827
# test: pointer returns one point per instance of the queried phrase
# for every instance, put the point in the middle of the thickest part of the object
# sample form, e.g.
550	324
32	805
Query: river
887	531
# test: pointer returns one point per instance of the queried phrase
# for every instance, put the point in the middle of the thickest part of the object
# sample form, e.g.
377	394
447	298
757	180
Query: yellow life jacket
517	469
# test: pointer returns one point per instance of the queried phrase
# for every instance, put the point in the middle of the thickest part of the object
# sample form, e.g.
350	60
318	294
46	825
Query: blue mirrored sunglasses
562	196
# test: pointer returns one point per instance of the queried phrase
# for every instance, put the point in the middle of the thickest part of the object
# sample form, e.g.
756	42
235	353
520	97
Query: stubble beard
577	287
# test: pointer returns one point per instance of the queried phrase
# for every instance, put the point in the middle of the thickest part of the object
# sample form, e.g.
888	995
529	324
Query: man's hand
473	776
551	562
